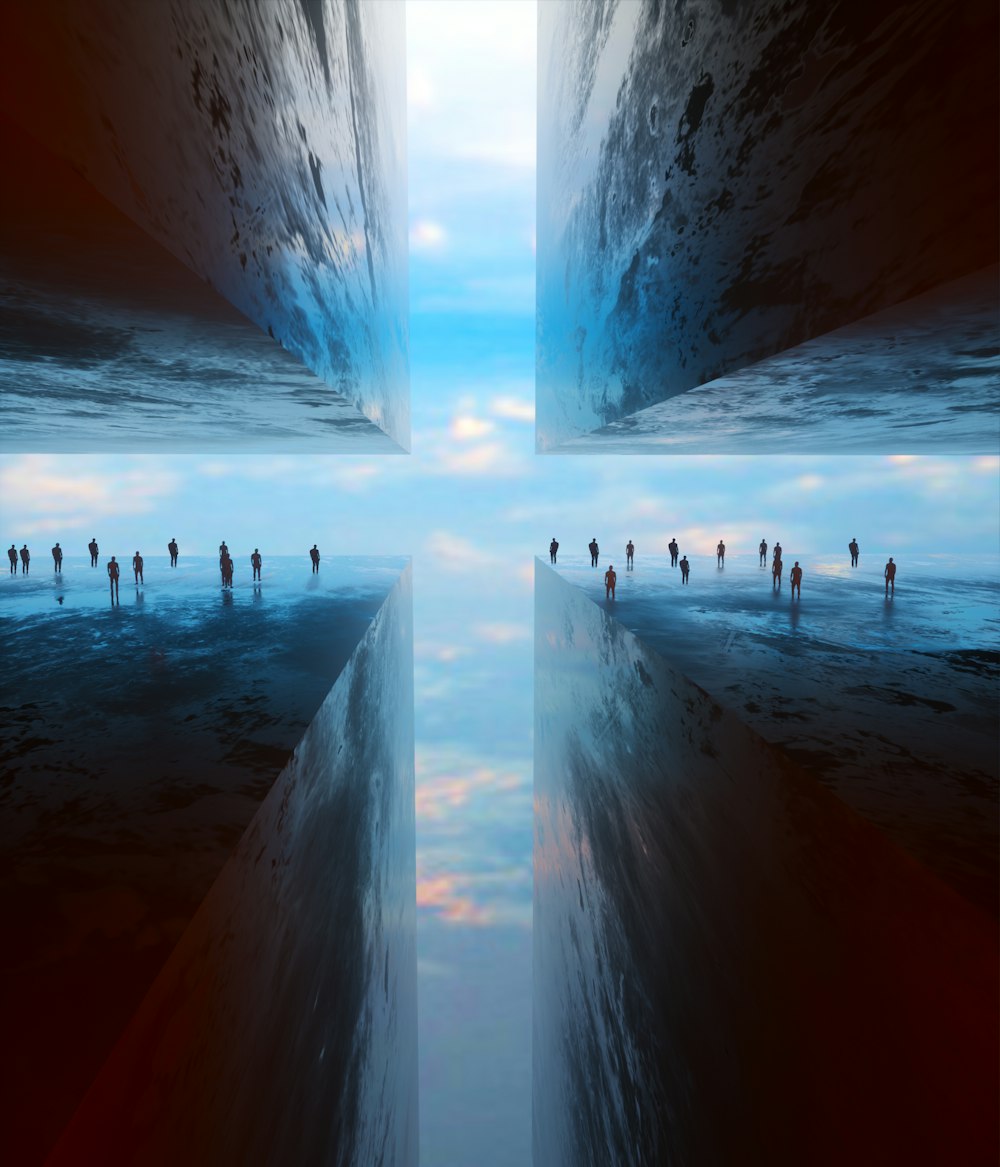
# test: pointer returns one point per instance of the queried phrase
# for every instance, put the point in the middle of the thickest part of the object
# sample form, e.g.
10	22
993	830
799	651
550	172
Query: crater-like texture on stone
719	182
730	966
262	142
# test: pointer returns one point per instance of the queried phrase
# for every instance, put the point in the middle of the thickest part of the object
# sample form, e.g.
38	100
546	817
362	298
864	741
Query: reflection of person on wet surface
173	549
25	559
629	554
855	551
594	551
113	577
673	549
795	575
92	548
890	577
255	562
720	554
57	558
763	552
610	579
12	556
553	550
314	556
776	572
685	568
137	567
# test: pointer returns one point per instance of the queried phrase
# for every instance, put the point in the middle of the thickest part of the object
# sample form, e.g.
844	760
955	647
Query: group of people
777	566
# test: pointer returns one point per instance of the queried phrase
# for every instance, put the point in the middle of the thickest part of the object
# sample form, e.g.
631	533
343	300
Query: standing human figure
137	567
776	572
173	549
255	562
855	551
553	550
92	548
25	559
673	549
629	555
594	551
113	577
720	554
610	579
795	575
890	577
763	552
776	554
314	556
57	558
223	550
227	571
12	556
685	568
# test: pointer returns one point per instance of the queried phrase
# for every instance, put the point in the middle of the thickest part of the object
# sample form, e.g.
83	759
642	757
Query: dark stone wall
262	142
283	1027
730	965
718	182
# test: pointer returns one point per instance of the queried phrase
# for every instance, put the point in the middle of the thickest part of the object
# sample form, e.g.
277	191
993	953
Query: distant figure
763	552
553	550
629	554
594	552
223	550
855	551
610	579
173	549
255	562
720	554
776	554
890	577
673	549
57	558
25	559
685	568
314	556
12	556
92	548
137	567
113	577
226	567
795	575
776	572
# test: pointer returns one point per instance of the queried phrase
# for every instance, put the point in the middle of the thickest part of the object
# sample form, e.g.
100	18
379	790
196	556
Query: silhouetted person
255	562
890	577
92	548
776	554
57	558
553	550
776	568
685	568
855	551
25	559
12	556
673	549
610	579
137	567
629	554
720	554
227	571
173	549
223	550
314	556
795	575
763	552
113	577
594	552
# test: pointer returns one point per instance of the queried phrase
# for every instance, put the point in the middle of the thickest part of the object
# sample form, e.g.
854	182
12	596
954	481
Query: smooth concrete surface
262	143
731	966
283	1027
138	743
720	182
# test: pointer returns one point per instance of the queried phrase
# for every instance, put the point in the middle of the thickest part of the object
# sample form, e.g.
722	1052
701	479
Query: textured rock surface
719	182
138	743
730	965
262	142
299	969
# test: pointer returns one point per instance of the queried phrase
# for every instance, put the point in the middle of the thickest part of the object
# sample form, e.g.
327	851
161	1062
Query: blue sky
473	504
